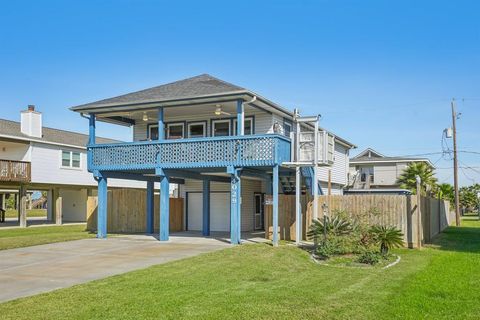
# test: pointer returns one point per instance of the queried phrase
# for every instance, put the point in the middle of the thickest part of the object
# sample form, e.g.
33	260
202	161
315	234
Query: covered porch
225	159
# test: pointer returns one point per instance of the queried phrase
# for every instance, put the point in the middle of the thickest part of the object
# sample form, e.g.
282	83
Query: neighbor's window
220	128
287	128
197	130
70	159
175	131
247	128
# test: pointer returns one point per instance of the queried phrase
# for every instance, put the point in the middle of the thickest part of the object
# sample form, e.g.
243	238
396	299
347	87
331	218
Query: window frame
252	125
214	121
203	123
287	122
171	124
70	159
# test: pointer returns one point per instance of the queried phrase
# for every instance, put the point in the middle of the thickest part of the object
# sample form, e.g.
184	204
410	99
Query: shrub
336	227
369	257
387	237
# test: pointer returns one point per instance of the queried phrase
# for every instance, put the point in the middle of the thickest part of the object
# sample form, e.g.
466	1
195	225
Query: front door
258	211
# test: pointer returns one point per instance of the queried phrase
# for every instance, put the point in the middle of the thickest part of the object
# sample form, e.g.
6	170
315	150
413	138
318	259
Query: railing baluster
266	150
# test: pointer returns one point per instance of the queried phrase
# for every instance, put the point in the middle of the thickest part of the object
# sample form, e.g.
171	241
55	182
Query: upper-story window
197	129
70	159
153	132
221	128
287	127
248	126
175	130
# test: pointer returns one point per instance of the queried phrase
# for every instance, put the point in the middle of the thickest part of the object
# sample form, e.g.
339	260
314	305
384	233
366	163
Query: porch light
218	110
145	117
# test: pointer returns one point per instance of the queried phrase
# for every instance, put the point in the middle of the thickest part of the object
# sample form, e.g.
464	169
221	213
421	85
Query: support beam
164	209
22	208
195	175
58	203
50	205
139	177
150	206
235	207
206	208
240	118
91	130
275	206
161	124
102	208
298	208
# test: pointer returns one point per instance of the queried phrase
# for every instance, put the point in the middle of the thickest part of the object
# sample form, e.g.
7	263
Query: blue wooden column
235	207
275	206
102	207
161	124
164	209
206	208
150	206
91	129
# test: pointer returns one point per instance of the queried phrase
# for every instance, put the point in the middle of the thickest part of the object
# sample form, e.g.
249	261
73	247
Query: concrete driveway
32	270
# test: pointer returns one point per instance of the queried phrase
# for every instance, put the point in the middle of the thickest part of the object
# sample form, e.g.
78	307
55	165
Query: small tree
387	237
407	179
446	192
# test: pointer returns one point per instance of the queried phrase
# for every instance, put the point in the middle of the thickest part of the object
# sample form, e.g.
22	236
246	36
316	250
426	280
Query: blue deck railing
211	152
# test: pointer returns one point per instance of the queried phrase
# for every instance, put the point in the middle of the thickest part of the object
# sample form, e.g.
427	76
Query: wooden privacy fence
126	212
400	211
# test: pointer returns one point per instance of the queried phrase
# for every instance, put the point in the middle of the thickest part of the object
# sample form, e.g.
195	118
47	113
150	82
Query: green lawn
30	213
24	237
258	281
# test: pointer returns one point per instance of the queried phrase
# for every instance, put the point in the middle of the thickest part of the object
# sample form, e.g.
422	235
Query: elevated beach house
229	149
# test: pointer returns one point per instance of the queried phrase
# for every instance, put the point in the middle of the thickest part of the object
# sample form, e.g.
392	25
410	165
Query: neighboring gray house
38	158
371	170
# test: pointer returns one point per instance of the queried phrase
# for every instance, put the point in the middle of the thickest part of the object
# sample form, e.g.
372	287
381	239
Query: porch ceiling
206	110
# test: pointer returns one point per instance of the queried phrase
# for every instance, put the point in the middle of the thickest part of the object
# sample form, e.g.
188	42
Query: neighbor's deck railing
15	171
239	151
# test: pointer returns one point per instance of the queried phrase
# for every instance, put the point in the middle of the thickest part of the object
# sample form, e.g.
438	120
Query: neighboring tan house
188	130
371	171
37	158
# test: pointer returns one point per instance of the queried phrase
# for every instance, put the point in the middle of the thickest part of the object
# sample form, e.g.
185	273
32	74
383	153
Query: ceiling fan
219	111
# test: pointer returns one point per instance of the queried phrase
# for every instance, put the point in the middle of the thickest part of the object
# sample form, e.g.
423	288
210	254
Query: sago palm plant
388	237
336	226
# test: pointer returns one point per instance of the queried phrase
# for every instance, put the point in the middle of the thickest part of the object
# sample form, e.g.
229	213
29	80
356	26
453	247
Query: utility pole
455	164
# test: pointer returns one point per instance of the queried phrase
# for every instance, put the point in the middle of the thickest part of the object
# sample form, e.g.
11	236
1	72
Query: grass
258	281
24	237
10	213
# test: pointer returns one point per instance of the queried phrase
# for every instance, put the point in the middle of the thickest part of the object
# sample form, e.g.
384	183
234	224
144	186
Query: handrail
251	150
15	171
246	137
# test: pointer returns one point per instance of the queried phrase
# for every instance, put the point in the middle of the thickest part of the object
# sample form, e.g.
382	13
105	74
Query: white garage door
219	211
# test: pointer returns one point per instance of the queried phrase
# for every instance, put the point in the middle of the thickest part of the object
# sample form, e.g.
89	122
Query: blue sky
381	73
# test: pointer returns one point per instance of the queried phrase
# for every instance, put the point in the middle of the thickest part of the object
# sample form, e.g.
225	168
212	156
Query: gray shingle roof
202	85
366	159
12	128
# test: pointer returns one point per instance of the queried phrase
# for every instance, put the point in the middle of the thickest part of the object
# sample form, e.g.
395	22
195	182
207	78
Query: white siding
263	123
46	168
339	168
14	151
385	174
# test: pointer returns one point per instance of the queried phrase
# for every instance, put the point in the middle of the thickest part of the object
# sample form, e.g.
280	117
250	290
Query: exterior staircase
287	182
